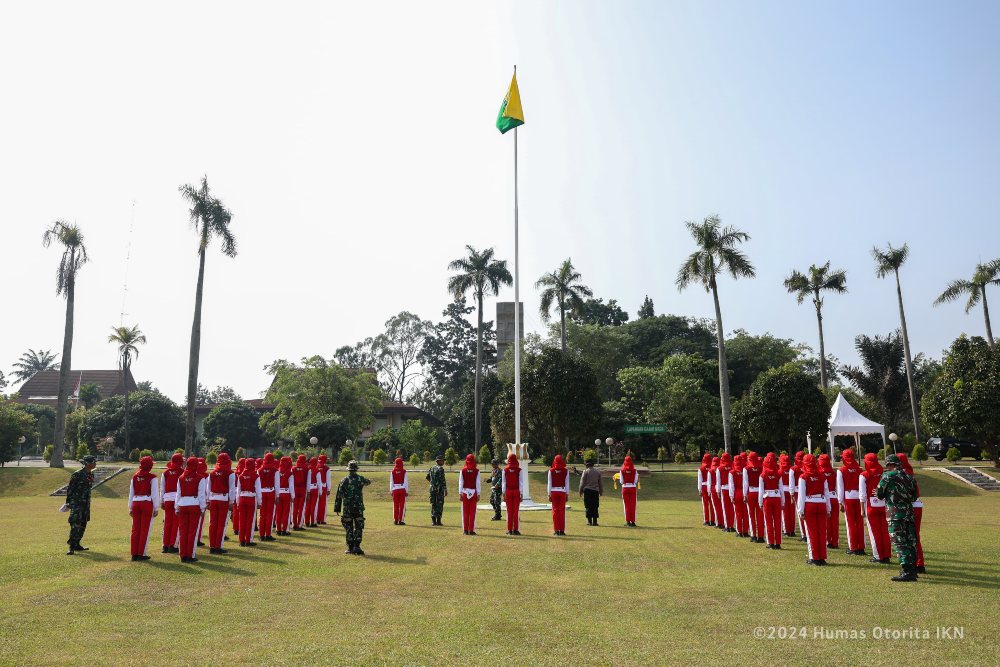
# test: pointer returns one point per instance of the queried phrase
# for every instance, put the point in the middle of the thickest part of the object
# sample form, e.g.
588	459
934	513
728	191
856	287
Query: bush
160	455
278	454
984	455
427	456
662	454
145	452
47	453
783	452
242	454
484	455
82	450
678	457
570	455
590	456
379	456
953	454
881	454
817	451
450	456
179	450
134	456
211	458
919	453
415	461
345	456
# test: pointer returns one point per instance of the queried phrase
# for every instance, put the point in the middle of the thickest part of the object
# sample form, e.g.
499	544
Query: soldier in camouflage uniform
898	490
350	505
496	489
438	489
78	503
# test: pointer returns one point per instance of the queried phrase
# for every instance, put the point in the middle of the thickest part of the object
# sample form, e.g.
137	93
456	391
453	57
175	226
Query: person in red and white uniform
771	497
300	478
325	480
833	521
190	505
312	492
849	499
558	493
788	507
715	493
878	527
704	484
143	505
630	489
751	491
168	499
240	467
268	475
203	471
813	506
221	498
725	485
793	484
511	486
739	497
249	492
286	494
399	489
469	488
918	511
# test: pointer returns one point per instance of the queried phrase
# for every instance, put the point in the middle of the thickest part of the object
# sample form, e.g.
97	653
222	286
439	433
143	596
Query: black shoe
185	559
472	532
810	561
135	558
465	532
143	557
236	532
921	570
886	561
777	546
496	518
201	544
821	562
323	522
251	544
402	523
298	528
271	538
874	560
517	532
80	547
358	551
167	550
509	532
906	573
802	539
595	522
192	559
213	551
395	523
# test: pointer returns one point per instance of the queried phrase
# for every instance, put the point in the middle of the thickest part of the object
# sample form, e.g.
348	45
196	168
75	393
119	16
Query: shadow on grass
396	560
100	557
201	567
961	578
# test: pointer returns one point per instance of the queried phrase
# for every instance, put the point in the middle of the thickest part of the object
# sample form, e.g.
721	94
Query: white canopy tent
845	420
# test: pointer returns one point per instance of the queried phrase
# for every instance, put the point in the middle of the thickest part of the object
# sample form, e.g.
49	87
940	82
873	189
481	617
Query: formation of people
764	500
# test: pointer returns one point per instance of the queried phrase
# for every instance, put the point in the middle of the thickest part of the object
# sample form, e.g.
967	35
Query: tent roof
845	419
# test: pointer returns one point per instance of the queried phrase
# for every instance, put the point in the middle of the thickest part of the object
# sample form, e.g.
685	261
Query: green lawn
669	592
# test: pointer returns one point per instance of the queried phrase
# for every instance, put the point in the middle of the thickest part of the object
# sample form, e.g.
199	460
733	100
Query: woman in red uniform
878	528
469	487
221	498
918	512
833	521
324	490
286	493
704	483
751	491
771	498
630	488
739	497
143	505
558	492
203	472
813	505
849	499
248	488
168	487
399	489
511	487
312	491
300	478
240	467
716	493
190	505
788	507
268	496
726	491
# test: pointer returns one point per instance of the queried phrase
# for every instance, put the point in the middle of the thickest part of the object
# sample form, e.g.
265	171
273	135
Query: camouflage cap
495	462
439	457
892	460
88	460
352	465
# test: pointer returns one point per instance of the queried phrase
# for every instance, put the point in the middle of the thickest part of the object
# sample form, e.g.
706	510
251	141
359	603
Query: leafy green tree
45	417
985	274
563	289
128	340
484	455
32	362
220	394
415	461
450	457
394	353
460	424
379	456
74	420
210	218
135	455
964	400
919	453
232	425
415	436
748	356
146	385
602	347
781	407
888	261
656	338
156	422
818	280
15	423
82	450
330	429
73	258
717	253
345	456
646	309
881	377
598	313
386	438
90	394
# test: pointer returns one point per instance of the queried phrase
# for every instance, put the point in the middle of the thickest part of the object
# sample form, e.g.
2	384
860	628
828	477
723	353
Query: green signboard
646	428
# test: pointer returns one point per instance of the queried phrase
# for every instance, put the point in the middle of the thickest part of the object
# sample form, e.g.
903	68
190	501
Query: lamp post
893	438
609	442
350	446
20	444
597	448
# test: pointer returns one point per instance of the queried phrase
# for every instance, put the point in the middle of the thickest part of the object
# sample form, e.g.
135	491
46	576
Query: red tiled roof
43	387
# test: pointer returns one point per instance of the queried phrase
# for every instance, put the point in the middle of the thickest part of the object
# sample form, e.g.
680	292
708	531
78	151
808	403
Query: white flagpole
517	312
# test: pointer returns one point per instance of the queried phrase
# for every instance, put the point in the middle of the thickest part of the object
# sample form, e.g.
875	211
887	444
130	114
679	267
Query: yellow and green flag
510	115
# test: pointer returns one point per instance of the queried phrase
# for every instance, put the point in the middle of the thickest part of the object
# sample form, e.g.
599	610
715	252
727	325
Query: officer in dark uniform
78	503
899	491
438	489
350	505
496	489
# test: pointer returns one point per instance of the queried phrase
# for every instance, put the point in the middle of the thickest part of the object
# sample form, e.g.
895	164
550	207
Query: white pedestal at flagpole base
527	504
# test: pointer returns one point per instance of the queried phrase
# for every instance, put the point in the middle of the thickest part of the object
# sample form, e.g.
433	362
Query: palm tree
32	362
819	280
73	258
210	218
483	275
128	340
888	261
562	287
881	377
717	253
986	274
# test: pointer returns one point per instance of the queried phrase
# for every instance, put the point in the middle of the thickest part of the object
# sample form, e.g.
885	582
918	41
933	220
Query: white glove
64	508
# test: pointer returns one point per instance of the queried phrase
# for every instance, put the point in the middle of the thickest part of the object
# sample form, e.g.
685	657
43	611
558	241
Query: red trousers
742	514
266	513
217	520
284	510
469	513
201	527
311	499
878	533
706	507
558	511
757	514
142	524
771	518
188	517
717	509
321	506
855	524
248	510
833	525
169	524
815	529
918	514
236	518
788	515
513	499
399	505
727	509
299	508
628	500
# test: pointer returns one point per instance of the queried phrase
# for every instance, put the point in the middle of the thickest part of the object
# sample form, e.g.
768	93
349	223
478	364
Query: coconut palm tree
888	261
210	218
73	258
32	362
483	275
128	339
562	287
986	274
818	281
881	377
717	253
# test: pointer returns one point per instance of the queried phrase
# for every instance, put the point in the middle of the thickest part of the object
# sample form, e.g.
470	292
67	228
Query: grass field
670	592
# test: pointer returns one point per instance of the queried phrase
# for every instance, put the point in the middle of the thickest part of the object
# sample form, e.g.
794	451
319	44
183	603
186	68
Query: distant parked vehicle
938	448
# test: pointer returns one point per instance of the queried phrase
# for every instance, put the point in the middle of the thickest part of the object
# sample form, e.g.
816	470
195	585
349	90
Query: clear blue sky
355	145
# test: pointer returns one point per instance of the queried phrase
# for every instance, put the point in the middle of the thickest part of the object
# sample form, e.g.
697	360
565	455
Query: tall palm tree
986	274
888	261
210	218
881	377
73	258
818	281
32	362
483	275
562	287
717	253
128	340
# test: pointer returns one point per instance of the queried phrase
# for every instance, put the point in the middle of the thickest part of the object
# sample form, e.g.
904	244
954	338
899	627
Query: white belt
248	494
629	485
918	503
285	491
831	495
876	502
816	498
706	484
269	489
311	487
772	493
187	501
851	495
219	496
560	489
469	493
753	489
169	496
396	487
137	499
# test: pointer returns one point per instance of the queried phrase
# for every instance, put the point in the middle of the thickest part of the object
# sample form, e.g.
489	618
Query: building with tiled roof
42	388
